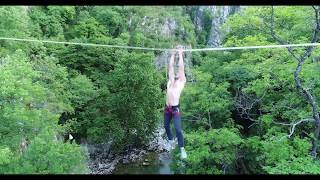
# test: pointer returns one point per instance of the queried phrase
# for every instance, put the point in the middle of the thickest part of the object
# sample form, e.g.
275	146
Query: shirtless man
175	86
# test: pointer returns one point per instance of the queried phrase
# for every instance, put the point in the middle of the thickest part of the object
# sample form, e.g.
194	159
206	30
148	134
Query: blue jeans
173	112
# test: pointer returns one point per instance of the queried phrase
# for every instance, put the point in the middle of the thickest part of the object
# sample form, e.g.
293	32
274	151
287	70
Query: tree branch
244	105
301	60
293	125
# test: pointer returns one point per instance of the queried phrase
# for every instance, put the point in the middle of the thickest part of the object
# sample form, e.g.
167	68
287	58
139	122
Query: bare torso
173	92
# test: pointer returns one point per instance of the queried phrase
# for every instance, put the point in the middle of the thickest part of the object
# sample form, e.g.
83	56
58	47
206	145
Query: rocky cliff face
163	27
219	16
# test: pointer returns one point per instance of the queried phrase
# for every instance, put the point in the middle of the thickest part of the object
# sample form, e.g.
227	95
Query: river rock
125	161
103	161
159	143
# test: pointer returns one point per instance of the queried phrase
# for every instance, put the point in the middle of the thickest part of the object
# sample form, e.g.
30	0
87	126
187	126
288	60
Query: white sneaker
183	153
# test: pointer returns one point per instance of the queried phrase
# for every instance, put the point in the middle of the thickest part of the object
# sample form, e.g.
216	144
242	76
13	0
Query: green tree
136	103
29	125
211	152
15	23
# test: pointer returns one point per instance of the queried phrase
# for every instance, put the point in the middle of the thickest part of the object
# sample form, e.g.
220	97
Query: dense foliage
241	109
256	89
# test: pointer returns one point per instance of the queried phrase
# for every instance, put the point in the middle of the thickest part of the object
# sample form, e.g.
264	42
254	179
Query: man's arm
182	76
170	66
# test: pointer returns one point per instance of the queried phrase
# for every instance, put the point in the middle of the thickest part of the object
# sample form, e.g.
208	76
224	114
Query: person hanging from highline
172	110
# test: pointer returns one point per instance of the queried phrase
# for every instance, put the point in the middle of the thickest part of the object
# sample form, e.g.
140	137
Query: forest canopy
253	111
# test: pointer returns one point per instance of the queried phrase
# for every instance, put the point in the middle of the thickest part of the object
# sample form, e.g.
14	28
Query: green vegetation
257	90
242	114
